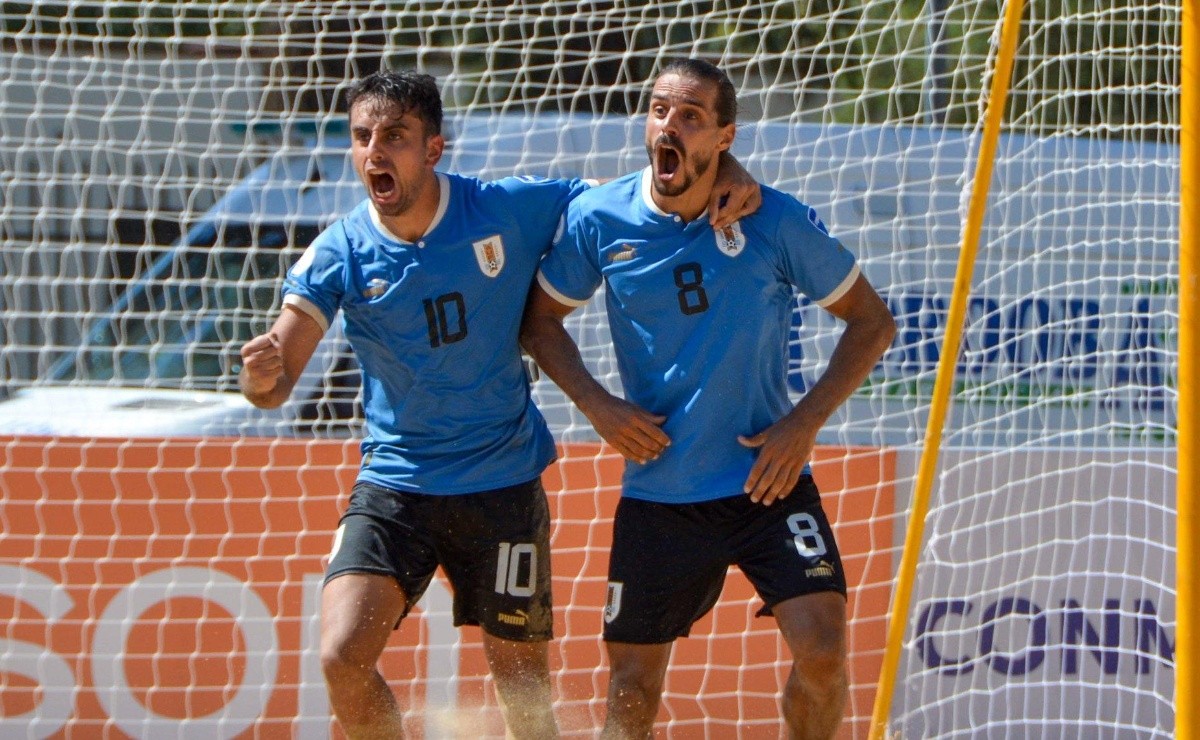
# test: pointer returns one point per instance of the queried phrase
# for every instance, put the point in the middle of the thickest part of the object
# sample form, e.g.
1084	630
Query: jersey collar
443	204
648	198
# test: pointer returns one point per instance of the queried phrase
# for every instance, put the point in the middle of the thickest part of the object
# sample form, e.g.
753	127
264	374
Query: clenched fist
262	366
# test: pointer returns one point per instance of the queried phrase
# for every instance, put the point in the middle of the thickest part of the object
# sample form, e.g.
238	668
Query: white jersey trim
553	293
647	190
305	306
443	204
648	199
841	289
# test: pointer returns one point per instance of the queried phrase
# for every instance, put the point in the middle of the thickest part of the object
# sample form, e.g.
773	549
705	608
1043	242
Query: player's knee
821	668
335	668
822	655
634	692
528	697
341	665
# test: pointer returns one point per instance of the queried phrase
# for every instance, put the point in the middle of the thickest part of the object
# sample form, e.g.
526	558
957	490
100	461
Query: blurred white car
163	360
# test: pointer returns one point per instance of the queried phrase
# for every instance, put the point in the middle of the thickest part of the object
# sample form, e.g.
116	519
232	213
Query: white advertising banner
1044	598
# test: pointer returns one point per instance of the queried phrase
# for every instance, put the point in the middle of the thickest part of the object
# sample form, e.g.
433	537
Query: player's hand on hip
635	433
783	449
262	363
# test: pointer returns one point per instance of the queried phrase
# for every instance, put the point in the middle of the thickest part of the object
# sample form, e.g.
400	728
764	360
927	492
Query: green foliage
1117	62
125	21
1105	67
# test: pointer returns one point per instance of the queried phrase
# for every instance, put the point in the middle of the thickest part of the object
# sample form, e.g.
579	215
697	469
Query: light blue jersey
699	320
434	326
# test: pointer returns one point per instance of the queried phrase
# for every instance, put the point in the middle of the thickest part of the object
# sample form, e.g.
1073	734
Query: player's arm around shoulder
272	362
735	193
540	192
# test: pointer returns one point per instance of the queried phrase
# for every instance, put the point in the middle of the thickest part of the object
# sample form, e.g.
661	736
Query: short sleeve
570	271
318	279
817	264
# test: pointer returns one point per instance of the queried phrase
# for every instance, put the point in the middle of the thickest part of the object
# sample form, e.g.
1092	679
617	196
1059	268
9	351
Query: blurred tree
1116	63
1102	67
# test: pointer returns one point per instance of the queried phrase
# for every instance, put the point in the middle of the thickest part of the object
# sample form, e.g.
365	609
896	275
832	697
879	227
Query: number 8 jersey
434	327
699	320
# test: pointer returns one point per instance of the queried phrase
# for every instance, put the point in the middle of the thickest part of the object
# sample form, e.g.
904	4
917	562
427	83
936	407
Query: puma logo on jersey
375	287
489	253
730	240
626	253
518	617
822	570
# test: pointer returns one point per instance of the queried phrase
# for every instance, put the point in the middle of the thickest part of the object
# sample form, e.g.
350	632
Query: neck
688	205
691	203
414	222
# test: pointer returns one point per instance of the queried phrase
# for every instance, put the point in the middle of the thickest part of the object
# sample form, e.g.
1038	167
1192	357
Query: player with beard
430	273
716	454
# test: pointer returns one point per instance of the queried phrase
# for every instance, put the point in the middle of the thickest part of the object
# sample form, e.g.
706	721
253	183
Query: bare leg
814	700
522	674
635	685
358	613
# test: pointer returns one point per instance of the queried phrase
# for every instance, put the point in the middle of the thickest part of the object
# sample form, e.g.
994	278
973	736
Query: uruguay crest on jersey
730	240
489	253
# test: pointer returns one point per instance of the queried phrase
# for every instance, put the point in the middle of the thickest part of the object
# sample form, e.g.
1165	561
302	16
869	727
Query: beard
675	159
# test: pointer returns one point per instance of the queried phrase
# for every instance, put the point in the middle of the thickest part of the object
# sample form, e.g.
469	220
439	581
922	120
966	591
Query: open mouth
383	185
666	161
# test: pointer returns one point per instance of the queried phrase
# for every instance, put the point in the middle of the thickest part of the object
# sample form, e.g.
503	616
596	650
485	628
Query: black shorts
494	547
668	561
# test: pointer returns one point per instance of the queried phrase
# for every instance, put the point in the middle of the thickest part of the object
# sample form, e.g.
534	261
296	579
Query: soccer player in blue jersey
717	456
431	274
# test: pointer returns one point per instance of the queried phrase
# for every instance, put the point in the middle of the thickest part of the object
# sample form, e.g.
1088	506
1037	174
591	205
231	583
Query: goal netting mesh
162	162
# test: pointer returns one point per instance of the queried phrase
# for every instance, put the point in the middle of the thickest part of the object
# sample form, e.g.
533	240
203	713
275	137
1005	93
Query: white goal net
162	543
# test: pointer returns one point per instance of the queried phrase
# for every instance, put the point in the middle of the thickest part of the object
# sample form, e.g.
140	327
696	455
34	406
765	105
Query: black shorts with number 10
494	547
669	561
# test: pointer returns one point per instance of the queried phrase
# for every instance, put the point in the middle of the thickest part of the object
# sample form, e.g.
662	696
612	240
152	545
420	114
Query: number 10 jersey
434	327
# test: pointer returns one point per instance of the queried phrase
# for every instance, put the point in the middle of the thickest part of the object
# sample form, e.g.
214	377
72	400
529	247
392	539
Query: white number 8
809	542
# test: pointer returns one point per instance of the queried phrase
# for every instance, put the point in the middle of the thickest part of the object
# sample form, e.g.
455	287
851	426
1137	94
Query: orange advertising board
169	588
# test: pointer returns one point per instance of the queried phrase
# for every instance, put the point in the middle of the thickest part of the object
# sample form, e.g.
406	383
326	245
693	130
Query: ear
726	138
434	146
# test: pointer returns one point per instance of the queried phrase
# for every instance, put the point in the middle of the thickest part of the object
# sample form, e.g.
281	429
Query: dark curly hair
409	91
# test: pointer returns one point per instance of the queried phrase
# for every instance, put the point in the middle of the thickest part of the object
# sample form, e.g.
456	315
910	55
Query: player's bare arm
272	362
735	193
786	445
632	431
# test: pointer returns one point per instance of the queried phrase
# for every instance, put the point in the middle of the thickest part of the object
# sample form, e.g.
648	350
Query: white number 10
508	569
